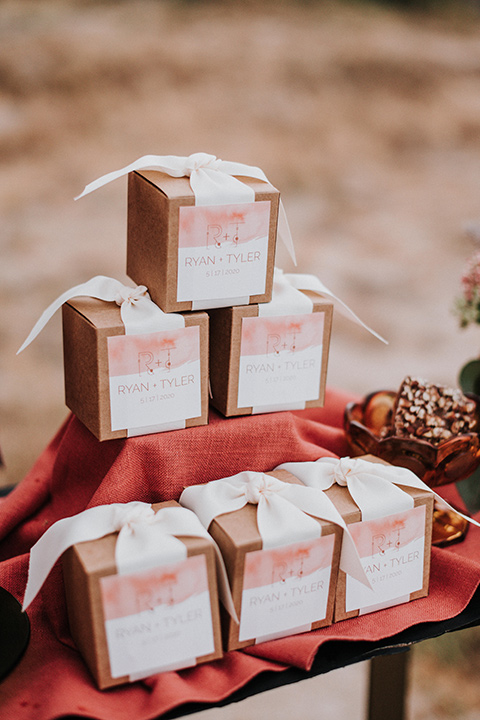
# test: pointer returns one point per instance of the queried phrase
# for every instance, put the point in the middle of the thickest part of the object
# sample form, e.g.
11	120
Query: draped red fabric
76	471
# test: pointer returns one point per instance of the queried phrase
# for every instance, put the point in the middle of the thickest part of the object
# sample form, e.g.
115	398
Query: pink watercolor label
280	359
154	378
124	595
157	618
392	552
285	588
212	227
280	336
222	251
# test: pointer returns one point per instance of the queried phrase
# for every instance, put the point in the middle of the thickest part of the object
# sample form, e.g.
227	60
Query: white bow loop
213	182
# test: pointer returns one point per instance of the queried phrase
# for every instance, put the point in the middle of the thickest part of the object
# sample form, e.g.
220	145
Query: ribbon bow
130	295
284	511
146	539
372	486
212	180
138	312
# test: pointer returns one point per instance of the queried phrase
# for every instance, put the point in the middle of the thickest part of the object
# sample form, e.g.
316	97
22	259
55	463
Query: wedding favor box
196	256
136	624
394	543
280	587
265	363
120	385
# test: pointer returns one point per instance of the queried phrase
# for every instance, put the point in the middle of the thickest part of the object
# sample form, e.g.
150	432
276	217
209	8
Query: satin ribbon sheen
138	312
212	180
372	486
314	284
146	539
283	514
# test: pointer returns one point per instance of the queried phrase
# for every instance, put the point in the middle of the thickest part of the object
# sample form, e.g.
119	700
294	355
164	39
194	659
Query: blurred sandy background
365	116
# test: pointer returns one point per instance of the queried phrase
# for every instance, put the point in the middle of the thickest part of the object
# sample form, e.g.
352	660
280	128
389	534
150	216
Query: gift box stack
293	549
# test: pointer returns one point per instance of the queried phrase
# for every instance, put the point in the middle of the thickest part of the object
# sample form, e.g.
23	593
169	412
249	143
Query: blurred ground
366	119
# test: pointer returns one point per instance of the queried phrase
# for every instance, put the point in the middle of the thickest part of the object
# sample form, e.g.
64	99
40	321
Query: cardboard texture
83	566
351	514
236	533
87	323
225	343
154	203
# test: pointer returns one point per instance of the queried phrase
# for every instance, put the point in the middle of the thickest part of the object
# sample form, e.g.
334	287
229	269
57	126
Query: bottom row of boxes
286	552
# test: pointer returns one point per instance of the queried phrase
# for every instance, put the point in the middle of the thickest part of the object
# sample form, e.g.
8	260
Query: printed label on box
280	359
285	587
154	378
157	618
222	251
392	554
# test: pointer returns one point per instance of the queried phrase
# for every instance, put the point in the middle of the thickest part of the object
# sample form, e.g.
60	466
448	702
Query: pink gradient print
124	595
134	354
265	336
264	567
400	529
203	226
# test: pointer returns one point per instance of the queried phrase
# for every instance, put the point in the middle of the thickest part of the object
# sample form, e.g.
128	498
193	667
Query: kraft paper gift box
112	379
280	587
137	610
394	545
200	256
267	363
130	368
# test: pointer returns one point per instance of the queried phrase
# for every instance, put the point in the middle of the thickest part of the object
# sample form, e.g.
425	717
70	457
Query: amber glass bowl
436	465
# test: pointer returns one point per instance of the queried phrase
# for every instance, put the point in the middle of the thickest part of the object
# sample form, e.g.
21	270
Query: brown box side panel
327	309
85	614
86	369
152	243
225	339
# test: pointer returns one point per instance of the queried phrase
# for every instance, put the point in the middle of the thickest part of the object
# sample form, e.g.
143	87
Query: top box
194	257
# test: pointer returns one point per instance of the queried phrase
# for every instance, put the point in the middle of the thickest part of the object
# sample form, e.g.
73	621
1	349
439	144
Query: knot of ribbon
146	539
373	486
213	182
138	312
260	486
127	516
286	512
341	471
130	295
197	161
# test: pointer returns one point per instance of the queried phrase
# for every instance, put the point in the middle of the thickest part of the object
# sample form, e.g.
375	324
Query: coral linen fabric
76	471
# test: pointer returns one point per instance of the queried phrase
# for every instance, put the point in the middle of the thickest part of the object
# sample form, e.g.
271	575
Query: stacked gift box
211	321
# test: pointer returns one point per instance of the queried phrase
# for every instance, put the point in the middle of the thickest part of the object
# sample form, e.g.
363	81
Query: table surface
76	471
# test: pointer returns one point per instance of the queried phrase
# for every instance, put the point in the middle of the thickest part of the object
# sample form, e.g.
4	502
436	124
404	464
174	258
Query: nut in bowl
374	426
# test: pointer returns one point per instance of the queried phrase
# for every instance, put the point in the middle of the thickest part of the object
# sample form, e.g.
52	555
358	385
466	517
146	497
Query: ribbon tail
171	164
285	233
100	286
89	525
446	505
311	282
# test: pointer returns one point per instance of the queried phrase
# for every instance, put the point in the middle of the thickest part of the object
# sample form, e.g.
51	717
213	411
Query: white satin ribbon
284	511
314	284
212	180
138	312
146	539
286	299
372	486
